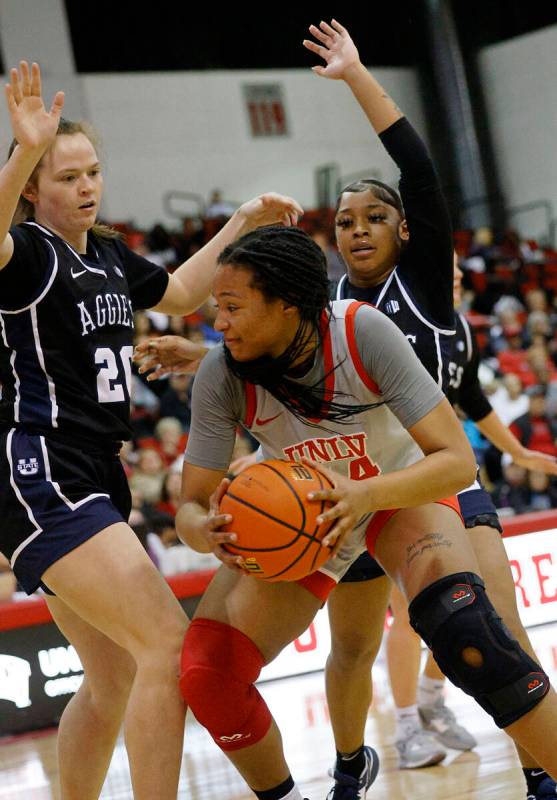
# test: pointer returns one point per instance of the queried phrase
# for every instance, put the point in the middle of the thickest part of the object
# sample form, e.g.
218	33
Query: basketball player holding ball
294	369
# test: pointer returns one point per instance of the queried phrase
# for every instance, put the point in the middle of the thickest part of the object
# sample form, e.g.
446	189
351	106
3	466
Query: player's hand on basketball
349	503
242	463
216	537
167	355
335	47
270	209
540	462
33	126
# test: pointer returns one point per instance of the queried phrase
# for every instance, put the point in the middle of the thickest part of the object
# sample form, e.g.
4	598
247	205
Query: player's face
252	326
68	187
369	236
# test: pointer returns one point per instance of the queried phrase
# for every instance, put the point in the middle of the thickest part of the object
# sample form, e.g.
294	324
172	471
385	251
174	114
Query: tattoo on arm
428	543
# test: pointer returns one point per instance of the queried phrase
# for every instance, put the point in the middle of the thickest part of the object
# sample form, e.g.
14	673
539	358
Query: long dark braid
286	263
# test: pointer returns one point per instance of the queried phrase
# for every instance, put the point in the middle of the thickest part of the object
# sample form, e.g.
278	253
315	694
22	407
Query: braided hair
286	264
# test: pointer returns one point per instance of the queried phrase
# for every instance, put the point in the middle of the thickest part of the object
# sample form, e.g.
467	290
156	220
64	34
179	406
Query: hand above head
337	49
270	209
168	355
33	126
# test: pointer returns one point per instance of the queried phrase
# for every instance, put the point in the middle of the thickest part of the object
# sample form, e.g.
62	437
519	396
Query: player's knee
353	650
475	650
219	667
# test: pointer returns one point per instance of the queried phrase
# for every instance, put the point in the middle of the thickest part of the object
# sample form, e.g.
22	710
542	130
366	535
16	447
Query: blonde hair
25	209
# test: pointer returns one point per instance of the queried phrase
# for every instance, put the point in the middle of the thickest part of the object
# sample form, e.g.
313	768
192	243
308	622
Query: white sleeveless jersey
374	442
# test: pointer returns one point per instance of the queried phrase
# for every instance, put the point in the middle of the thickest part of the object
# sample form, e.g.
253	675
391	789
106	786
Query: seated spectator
509	400
512	491
148	476
169	440
176	400
144	408
335	265
170	494
535	429
542	492
217	207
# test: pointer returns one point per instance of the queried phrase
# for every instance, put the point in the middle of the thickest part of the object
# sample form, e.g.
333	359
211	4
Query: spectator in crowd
169	440
148	477
542	492
171	491
218	207
535	429
176	400
509	400
511	492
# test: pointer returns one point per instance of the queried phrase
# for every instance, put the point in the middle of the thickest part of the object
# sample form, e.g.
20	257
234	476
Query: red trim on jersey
251	403
353	347
319	584
380	519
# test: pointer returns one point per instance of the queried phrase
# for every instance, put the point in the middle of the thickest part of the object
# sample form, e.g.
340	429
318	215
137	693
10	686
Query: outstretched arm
342	59
504	439
34	129
190	285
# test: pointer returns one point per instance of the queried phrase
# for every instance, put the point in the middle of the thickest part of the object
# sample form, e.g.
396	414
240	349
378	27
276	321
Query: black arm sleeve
426	264
470	396
147	281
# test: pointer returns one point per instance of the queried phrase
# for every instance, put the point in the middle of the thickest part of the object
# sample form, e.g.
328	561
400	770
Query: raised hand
270	209
337	49
33	126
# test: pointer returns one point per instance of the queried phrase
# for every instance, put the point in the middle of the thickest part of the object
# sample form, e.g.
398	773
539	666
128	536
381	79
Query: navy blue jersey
66	334
464	387
417	295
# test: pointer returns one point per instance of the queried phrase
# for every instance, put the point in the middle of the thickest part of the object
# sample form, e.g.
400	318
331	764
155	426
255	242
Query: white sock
293	794
430	691
407	721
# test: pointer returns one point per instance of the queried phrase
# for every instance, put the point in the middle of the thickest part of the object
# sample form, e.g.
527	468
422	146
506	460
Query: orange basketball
278	535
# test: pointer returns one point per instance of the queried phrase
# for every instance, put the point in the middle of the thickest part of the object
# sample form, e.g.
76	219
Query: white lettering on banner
62	686
533	560
14	680
59	661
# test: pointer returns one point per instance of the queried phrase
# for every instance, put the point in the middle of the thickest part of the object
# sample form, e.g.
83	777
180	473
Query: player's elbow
465	467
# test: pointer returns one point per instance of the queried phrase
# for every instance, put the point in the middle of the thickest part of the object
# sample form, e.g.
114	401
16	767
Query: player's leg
92	719
416	747
421	549
111	583
357	609
496	572
241	624
357	619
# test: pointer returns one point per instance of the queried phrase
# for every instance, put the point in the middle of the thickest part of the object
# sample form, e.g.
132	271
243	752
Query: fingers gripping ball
278	535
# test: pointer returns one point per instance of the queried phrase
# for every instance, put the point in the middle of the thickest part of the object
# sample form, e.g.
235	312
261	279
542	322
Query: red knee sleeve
219	666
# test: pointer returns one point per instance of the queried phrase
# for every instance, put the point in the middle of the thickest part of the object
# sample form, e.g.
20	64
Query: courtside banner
533	559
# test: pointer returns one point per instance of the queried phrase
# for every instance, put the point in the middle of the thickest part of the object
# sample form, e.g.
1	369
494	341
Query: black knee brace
475	650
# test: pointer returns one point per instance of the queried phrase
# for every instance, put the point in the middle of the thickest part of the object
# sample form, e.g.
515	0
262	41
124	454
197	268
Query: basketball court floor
28	763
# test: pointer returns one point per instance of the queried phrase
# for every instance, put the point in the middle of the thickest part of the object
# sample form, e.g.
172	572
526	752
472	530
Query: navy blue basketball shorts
54	497
476	507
